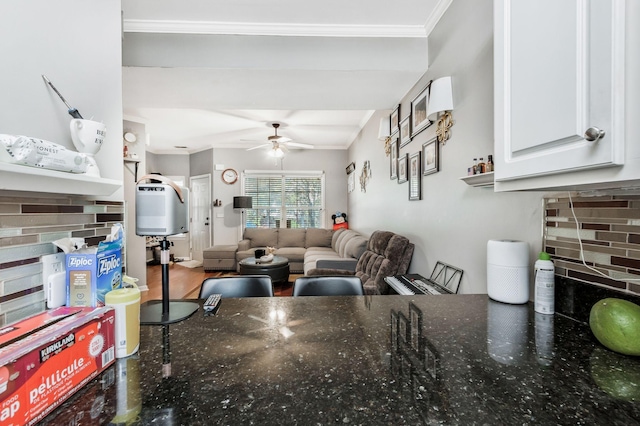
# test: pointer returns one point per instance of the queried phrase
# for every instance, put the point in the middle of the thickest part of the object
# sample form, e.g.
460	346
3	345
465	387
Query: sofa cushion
319	237
292	237
294	254
355	246
261	237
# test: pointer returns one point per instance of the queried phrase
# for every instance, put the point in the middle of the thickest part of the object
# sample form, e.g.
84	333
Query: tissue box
43	368
91	274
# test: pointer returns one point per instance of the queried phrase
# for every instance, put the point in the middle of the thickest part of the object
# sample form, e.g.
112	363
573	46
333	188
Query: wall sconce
383	134
441	101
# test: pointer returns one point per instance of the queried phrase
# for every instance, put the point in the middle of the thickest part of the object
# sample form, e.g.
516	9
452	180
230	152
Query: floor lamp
242	203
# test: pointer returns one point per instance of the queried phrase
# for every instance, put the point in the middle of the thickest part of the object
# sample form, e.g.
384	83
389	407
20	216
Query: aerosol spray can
544	279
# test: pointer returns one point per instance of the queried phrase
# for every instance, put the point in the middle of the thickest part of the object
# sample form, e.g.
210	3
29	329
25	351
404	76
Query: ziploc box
41	369
93	272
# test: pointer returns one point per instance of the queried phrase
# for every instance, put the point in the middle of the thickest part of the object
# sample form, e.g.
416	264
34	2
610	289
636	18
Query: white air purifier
508	271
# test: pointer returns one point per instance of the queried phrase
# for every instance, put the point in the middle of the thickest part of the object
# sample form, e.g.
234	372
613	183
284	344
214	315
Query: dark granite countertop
455	359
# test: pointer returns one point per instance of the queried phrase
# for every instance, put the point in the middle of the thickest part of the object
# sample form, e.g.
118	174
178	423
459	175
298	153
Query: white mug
87	135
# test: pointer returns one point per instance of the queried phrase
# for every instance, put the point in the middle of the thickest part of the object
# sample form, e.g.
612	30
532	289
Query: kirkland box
94	271
40	369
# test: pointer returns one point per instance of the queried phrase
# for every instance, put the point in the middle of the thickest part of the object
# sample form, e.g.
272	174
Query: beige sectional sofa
306	248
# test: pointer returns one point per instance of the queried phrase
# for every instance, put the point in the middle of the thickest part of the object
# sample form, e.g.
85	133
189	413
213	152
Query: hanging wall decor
365	175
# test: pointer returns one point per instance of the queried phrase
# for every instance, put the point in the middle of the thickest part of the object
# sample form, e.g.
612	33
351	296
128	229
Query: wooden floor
184	283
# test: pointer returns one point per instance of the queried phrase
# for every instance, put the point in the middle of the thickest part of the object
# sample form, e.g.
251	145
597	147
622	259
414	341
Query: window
285	199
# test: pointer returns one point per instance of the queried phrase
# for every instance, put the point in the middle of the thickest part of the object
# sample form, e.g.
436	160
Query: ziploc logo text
79	261
108	264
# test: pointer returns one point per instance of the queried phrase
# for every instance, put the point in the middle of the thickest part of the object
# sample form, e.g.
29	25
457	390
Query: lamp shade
440	97
242	202
384	129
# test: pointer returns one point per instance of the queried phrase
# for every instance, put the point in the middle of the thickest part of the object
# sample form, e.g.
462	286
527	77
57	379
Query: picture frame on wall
393	159
415	192
402	168
430	157
419	120
394	120
405	131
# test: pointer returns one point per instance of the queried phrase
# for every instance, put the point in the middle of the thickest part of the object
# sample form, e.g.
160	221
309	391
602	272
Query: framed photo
402	168
430	154
405	131
393	159
414	177
394	120
419	120
351	168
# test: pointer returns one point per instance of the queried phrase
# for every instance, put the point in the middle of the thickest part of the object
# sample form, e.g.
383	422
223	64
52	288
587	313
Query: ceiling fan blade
258	147
300	145
279	139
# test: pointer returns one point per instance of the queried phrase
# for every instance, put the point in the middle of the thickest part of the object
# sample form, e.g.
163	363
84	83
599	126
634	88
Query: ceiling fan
279	143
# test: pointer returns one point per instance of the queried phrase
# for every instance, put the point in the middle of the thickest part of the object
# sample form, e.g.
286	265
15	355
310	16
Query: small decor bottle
481	166
489	166
544	279
475	166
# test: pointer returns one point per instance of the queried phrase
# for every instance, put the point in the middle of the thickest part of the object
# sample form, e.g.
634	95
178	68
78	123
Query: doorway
200	230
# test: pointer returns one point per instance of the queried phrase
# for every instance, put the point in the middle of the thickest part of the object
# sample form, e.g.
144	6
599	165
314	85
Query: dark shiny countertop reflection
455	359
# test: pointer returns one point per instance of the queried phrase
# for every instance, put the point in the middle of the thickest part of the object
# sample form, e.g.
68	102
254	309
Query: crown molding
268	29
435	16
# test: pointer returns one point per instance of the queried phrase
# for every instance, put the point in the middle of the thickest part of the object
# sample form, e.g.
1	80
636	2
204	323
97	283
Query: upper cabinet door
559	79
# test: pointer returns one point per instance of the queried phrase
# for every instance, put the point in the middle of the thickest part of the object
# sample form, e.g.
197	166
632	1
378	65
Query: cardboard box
43	368
91	274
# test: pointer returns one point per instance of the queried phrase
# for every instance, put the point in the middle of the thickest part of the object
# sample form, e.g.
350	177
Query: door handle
594	134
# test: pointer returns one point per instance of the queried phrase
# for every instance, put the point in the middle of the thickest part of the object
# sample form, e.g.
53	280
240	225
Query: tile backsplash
609	228
28	225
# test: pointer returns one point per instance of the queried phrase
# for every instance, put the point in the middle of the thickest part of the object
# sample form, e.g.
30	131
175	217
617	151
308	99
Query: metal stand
164	311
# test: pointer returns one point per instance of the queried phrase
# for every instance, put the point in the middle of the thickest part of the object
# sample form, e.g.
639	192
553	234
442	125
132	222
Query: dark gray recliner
387	254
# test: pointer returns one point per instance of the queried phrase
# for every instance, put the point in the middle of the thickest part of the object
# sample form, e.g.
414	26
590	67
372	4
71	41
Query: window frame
284	175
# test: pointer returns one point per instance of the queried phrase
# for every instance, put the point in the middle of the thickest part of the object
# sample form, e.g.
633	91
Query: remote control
212	302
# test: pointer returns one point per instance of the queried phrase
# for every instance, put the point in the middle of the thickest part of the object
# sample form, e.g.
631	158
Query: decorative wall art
419	120
405	131
394	120
402	168
414	177
430	157
393	162
351	177
365	175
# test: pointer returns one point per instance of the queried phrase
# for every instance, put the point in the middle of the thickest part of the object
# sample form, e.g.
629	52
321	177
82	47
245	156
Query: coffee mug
87	135
259	253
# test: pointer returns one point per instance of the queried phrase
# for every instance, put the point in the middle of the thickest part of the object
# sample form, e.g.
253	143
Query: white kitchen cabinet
560	69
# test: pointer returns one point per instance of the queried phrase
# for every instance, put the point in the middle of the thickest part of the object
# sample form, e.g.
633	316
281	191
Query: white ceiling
203	73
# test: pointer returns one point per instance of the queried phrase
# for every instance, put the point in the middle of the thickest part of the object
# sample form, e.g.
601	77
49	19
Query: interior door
200	229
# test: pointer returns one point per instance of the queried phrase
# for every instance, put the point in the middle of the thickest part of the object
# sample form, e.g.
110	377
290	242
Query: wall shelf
483	179
135	172
15	177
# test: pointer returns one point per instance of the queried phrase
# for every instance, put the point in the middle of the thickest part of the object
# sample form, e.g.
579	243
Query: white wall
453	221
77	45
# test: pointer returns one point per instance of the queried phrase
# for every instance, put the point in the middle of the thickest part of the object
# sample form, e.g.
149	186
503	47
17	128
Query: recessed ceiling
205	74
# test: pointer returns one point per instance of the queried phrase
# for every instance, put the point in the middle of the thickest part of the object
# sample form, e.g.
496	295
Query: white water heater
508	271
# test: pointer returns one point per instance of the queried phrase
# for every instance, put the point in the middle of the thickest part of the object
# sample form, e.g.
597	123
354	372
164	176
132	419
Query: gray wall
453	221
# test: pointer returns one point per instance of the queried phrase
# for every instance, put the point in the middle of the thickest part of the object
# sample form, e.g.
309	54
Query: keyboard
414	284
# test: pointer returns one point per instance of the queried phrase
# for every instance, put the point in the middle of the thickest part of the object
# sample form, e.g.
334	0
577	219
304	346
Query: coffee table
277	269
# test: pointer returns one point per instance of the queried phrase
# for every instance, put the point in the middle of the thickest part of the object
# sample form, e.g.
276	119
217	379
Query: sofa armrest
343	264
318	271
244	245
